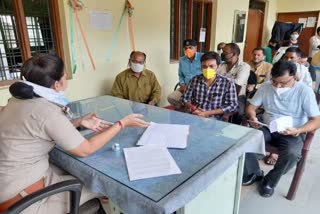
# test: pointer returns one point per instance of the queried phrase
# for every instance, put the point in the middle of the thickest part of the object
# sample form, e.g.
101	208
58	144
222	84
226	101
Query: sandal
271	159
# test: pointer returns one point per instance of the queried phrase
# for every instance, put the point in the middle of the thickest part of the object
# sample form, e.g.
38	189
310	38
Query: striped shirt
221	94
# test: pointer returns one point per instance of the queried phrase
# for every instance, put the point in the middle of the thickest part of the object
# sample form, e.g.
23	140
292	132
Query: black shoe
265	189
253	178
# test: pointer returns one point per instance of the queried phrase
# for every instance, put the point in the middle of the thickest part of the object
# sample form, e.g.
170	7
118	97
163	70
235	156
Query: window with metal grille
27	27
188	18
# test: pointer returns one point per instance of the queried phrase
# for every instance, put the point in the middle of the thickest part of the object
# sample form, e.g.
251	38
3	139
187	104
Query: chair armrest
308	141
73	186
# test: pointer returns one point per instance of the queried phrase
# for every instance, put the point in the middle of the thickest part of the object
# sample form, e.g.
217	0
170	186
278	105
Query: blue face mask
49	94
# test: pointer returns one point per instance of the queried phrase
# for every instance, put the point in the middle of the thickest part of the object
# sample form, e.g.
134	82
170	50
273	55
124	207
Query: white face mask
281	90
220	52
136	67
294	36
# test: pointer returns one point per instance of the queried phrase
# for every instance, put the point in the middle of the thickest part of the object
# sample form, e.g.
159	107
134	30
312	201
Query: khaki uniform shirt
29	129
239	73
144	89
262	71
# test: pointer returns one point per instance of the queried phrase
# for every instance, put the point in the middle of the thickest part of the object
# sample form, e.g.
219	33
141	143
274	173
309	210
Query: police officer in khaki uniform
30	127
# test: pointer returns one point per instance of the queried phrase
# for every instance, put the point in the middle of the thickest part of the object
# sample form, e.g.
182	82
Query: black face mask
223	57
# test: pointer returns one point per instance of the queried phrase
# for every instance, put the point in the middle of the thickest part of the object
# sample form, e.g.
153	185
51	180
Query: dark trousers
289	148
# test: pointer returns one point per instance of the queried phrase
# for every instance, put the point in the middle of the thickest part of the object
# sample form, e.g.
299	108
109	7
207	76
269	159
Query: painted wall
269	19
223	21
298	5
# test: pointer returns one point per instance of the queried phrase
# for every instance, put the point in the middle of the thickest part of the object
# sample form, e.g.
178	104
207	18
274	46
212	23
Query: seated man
220	47
137	83
234	68
209	94
261	68
189	66
283	96
293	54
304	60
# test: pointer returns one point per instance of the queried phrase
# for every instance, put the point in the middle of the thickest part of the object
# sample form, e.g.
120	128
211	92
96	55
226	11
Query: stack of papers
278	125
167	135
149	161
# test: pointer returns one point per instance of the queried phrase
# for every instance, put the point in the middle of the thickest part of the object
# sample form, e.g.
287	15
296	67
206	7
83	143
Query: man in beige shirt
261	68
137	83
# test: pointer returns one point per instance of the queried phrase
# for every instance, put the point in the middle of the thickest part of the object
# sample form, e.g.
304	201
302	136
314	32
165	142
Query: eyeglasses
282	84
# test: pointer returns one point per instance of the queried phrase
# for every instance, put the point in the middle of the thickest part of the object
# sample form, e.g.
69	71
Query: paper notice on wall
303	21
202	37
101	20
311	22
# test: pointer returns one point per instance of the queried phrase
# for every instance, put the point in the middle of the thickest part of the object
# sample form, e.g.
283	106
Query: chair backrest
176	86
73	186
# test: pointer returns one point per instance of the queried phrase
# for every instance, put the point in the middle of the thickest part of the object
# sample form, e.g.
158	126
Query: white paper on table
101	20
168	135
149	161
281	124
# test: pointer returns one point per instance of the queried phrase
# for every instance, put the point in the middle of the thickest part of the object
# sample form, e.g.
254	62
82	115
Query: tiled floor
307	200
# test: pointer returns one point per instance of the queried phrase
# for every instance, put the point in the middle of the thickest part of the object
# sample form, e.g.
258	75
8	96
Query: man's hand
291	131
152	103
183	88
253	124
200	113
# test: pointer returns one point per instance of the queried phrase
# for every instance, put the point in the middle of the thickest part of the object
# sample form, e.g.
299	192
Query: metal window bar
39	27
39	30
11	59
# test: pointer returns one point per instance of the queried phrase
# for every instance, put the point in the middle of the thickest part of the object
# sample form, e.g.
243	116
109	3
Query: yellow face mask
209	73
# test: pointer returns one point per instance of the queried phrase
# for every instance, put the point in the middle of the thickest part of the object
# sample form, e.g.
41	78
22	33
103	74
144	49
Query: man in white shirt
234	68
293	54
314	43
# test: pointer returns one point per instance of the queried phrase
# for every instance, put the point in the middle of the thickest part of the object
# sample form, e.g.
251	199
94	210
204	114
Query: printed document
168	135
149	161
278	125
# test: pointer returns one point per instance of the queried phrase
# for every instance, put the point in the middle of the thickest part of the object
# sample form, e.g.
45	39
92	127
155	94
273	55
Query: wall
298	5
151	27
223	22
269	19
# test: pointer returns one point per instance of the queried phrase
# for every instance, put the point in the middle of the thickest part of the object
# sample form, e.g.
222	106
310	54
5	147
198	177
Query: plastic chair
300	165
73	186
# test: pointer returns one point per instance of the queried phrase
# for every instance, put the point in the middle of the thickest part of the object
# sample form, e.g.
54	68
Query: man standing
137	83
234	68
261	68
283	96
189	66
209	94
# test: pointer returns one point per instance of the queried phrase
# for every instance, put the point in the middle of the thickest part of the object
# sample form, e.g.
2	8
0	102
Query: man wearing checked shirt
189	66
210	94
